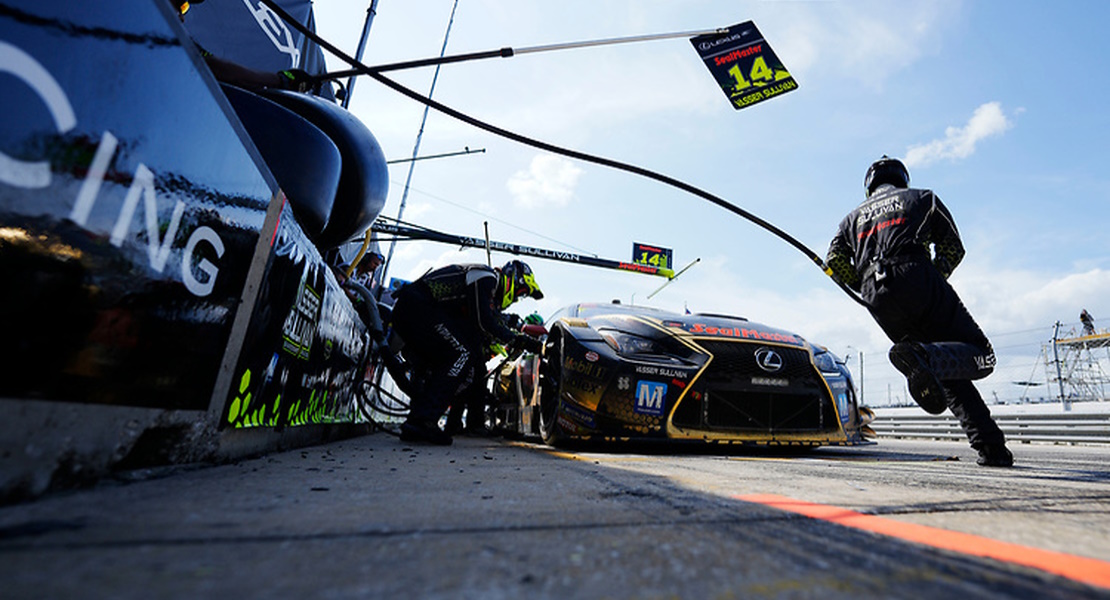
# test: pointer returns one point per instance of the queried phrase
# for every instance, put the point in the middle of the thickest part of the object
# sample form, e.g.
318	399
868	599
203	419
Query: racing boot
911	359
478	430
995	455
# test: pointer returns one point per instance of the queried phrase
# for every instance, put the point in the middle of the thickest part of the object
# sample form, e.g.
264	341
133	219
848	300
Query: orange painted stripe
1078	568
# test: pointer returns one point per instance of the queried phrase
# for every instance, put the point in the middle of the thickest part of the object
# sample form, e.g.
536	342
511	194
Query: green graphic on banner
655	256
744	65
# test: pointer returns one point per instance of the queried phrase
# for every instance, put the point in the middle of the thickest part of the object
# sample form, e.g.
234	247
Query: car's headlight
631	344
825	362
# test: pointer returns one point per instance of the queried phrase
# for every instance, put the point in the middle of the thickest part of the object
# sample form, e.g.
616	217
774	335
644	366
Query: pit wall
161	304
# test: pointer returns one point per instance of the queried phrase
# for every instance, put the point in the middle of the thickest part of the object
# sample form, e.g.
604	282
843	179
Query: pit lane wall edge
160	303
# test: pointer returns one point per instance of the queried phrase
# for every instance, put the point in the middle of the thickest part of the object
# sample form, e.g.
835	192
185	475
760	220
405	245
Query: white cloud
959	142
868	42
549	181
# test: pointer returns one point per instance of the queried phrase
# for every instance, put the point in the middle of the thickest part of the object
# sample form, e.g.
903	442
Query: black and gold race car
620	372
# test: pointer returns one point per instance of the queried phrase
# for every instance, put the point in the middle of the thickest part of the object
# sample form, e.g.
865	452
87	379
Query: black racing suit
882	250
445	320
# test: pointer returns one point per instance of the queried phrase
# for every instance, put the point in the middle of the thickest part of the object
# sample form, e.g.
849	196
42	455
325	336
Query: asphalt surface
373	517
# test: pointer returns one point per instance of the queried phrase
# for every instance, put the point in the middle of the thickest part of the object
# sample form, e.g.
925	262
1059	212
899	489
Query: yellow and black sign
644	254
744	65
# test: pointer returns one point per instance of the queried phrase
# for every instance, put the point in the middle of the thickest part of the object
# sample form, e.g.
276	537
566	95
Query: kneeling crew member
445	320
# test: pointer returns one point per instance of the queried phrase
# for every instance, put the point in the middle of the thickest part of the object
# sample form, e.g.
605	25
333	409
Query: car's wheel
551	389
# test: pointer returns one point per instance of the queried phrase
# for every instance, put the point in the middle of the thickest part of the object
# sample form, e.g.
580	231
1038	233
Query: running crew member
446	320
897	250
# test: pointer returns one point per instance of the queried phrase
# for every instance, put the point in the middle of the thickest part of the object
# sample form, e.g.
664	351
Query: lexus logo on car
768	360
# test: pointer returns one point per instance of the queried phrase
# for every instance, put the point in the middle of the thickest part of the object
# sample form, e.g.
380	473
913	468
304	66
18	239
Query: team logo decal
650	396
768	360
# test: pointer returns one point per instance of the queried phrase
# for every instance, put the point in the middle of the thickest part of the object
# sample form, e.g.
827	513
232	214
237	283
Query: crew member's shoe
478	431
995	455
416	431
912	360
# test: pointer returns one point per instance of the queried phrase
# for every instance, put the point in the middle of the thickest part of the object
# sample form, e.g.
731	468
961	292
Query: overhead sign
644	254
744	65
423	233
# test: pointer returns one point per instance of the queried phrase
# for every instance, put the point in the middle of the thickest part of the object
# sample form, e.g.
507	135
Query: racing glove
513	321
529	343
296	80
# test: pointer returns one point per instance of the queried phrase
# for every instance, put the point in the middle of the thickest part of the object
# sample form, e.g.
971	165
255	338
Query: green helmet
515	282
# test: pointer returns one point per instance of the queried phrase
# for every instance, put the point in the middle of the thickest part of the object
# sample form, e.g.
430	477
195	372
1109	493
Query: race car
619	372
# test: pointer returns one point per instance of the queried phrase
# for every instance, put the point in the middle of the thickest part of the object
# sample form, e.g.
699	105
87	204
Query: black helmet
886	170
515	282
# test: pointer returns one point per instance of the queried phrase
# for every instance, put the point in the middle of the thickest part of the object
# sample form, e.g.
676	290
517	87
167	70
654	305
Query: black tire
551	390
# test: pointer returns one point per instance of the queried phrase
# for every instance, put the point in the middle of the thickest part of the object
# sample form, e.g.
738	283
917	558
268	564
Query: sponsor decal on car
650	398
661	372
771	381
586	385
744	332
585	368
576	419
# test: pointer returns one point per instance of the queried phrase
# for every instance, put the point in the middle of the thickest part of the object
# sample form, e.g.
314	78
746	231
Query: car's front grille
735	394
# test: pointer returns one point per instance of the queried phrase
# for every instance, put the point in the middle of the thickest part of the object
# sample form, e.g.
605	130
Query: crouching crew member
897	250
445	321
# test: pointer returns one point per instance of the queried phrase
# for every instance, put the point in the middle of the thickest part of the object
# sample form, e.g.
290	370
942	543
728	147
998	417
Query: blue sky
997	106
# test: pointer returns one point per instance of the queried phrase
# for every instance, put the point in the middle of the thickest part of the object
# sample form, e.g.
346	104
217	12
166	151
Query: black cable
599	160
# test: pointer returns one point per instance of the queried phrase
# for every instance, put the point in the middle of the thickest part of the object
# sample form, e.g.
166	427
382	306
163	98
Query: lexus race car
619	372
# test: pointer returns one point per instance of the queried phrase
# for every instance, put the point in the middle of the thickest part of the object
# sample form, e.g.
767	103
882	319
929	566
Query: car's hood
700	325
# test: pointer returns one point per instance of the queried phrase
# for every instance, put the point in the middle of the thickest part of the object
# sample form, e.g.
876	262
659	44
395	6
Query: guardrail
1060	428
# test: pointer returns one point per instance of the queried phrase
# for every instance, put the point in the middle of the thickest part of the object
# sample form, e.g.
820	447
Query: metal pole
1059	374
509	52
673	277
430	156
861	377
370	12
489	256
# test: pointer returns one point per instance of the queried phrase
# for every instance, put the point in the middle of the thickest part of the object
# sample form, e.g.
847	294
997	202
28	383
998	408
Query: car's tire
551	390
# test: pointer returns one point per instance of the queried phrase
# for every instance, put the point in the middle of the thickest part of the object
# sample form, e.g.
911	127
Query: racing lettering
661	371
738	54
881	226
878	208
34	175
158	247
639	268
276	30
300	324
37	175
743	332
585	368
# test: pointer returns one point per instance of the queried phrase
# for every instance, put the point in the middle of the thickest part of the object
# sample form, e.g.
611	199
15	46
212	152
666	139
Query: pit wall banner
302	356
129	208
247	32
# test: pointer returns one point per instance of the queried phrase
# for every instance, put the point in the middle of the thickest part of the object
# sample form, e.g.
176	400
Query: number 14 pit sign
744	65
